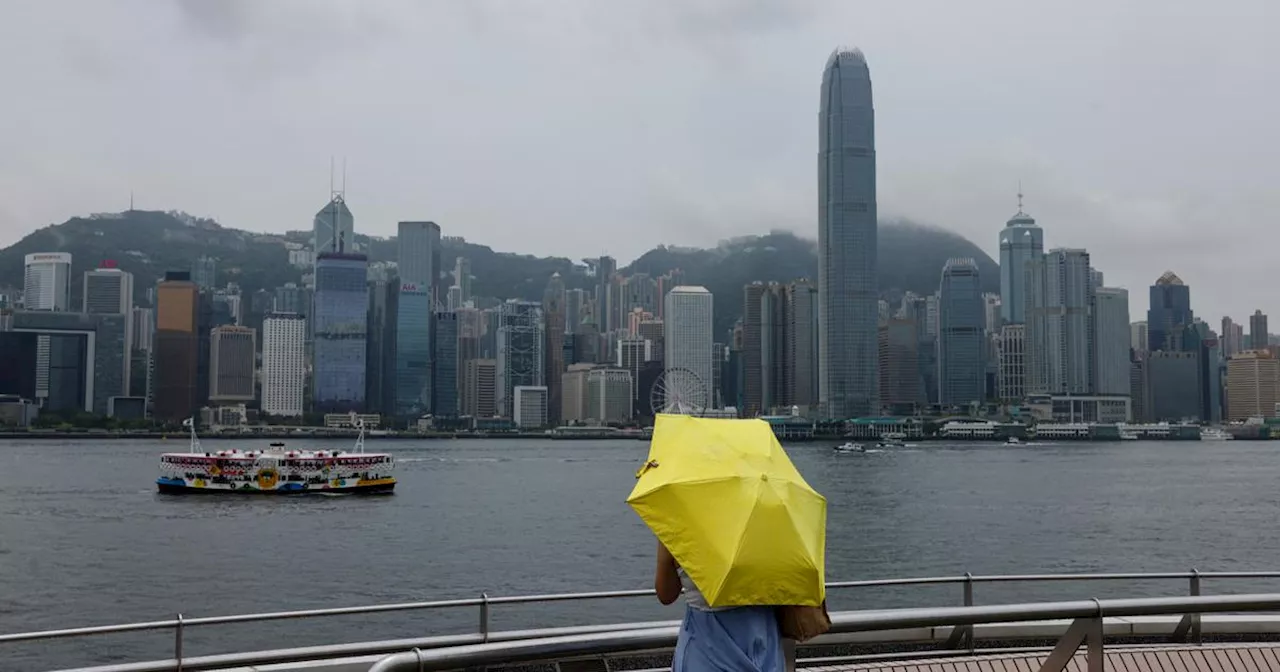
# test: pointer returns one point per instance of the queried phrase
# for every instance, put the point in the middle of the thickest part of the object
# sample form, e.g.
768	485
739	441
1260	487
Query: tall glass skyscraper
1169	314
333	228
419	266
848	383
1021	241
340	314
961	335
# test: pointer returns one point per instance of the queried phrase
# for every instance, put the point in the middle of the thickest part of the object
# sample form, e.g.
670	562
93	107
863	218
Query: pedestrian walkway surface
1207	658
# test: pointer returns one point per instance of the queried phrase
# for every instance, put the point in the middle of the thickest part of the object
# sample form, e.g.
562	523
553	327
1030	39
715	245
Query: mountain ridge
147	243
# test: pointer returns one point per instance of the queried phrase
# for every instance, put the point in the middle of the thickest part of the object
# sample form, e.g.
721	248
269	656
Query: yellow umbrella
725	499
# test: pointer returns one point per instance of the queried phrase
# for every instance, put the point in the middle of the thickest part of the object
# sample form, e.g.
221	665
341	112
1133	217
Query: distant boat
891	440
1013	441
850	448
1214	434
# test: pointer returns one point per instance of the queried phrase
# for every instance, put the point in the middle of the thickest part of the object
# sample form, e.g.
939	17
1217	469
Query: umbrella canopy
724	498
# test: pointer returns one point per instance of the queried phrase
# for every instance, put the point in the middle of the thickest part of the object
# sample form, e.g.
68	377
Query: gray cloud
1142	131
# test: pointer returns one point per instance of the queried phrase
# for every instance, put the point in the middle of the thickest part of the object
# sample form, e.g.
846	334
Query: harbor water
86	540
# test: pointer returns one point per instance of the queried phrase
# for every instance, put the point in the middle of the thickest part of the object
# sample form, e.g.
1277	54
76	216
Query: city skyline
1098	167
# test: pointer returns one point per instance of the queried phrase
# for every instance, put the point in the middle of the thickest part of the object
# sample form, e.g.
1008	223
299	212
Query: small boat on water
276	471
1214	434
891	440
1013	441
850	448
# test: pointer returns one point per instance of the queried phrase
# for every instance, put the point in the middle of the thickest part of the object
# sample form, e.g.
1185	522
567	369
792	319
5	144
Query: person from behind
731	639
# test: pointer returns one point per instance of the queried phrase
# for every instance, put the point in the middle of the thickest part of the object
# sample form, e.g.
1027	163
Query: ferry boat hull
198	486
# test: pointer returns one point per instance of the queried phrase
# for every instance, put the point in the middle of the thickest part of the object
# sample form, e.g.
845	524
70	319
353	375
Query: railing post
1195	618
484	617
177	643
962	635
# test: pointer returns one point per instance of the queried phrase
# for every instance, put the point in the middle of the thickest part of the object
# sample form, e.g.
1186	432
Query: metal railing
1085	629
961	636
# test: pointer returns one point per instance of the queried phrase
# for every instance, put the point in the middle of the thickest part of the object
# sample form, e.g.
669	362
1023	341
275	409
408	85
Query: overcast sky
1146	131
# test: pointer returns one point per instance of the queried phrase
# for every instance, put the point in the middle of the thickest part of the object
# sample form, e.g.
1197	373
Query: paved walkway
1207	658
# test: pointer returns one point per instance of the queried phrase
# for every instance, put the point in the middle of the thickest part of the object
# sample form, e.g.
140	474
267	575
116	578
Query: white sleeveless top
692	596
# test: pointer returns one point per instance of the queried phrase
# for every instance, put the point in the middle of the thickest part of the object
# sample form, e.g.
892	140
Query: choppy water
85	540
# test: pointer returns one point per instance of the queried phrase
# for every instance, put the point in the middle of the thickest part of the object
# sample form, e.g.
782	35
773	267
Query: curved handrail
611	642
483	602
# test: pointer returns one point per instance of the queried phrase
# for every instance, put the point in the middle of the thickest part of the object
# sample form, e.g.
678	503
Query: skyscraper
204	272
333	229
418	246
1060	346
1011	371
109	291
961	338
231	365
284	369
606	268
1258	338
520	357
462	278
1253	385
1232	338
1021	241
687	321
341	331
553	310
176	348
1169	314
753	338
1111	341
444	378
47	281
847	286
802	345
1138	338
479	388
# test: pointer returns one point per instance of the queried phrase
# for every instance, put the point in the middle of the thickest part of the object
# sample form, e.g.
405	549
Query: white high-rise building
283	364
687	326
530	406
109	291
1111	341
609	395
47	281
1011	371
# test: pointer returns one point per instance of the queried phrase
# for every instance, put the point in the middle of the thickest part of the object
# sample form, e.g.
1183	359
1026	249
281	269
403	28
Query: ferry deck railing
961	636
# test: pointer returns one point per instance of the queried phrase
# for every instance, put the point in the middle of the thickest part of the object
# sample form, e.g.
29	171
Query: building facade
339	349
521	361
85	361
284	366
1021	242
232	364
176	349
1169	315
109	291
1173	386
1258	336
479	388
46	281
1111	341
848	290
609	399
444	379
333	229
529	406
1253	385
961	338
1011	371
901	391
688	322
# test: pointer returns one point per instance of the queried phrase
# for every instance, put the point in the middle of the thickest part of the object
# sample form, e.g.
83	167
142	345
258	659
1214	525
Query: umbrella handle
651	464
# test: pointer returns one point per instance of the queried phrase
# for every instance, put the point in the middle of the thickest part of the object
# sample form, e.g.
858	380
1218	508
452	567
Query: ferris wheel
678	391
